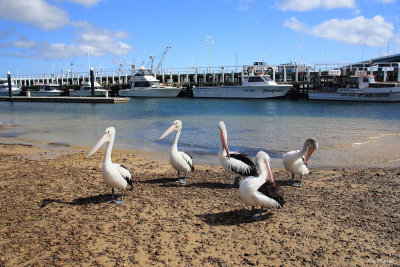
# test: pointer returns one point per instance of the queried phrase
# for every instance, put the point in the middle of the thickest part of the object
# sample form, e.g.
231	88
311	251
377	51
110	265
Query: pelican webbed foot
235	183
298	184
293	183
181	181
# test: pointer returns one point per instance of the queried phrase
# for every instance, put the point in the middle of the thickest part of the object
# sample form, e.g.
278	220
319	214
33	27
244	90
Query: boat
47	90
253	86
145	84
365	88
85	90
4	90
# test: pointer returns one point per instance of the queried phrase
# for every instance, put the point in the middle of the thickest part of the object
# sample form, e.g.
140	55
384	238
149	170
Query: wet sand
54	212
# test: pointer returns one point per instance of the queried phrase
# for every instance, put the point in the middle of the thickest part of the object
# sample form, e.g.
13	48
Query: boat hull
151	92
270	91
45	93
6	93
101	92
376	96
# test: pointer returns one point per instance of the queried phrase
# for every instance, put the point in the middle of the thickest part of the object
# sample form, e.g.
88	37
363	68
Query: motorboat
145	84
4	90
47	90
364	89
253	86
85	90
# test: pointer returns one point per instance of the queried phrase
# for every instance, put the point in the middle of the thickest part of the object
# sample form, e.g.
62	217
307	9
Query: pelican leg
182	181
235	183
112	195
257	218
292	181
298	184
251	213
122	198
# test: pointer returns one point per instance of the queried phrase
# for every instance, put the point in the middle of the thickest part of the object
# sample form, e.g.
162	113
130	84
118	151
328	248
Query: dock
66	99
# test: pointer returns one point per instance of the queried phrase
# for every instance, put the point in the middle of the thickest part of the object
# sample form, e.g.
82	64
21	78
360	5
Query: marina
201	81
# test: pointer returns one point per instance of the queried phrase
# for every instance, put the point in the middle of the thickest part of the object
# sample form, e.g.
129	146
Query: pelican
114	175
296	163
261	190
235	163
181	161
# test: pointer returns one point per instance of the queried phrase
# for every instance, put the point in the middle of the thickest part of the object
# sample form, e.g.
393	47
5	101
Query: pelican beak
225	144
269	171
103	139
310	150
167	132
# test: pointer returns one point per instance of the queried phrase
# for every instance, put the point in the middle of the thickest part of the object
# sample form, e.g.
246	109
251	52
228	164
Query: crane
165	52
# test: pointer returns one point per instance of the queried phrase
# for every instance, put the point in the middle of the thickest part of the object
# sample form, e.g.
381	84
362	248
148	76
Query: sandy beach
54	213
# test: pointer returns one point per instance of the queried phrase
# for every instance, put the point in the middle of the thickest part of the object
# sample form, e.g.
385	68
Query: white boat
47	90
4	91
366	90
145	84
85	90
253	86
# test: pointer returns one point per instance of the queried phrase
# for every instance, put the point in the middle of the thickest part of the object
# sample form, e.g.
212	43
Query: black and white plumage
296	161
114	175
235	163
181	161
261	190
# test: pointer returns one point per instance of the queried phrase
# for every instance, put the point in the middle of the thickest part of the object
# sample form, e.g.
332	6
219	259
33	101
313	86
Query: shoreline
54	212
59	149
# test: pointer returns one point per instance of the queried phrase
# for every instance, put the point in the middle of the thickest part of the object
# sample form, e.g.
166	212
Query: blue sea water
349	134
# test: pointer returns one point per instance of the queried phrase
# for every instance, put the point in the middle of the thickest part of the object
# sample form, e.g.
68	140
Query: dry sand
53	212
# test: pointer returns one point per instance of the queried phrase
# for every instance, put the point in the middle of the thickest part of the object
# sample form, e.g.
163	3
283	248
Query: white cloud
386	1
356	31
295	25
85	2
244	5
36	12
23	43
101	41
307	5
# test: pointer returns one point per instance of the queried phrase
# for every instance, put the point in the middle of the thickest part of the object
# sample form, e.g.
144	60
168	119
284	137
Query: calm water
349	134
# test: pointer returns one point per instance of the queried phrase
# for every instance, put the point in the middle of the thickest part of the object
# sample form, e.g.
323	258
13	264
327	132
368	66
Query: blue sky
45	36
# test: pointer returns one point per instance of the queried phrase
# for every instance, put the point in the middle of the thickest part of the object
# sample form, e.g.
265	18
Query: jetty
66	99
302	77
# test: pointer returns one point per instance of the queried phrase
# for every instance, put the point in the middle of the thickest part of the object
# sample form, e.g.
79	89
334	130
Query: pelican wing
125	173
291	156
270	190
188	160
242	164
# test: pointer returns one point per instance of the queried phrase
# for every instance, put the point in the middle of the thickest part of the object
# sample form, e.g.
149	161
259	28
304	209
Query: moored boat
367	89
4	90
145	84
85	90
253	86
47	90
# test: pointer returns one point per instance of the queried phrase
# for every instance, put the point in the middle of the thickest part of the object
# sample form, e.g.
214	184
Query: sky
53	36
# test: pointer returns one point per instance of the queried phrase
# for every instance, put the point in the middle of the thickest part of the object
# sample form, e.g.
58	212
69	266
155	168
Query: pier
66	99
302	77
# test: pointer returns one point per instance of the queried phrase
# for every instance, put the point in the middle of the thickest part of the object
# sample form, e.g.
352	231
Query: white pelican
296	163
114	175
235	163
258	190
181	161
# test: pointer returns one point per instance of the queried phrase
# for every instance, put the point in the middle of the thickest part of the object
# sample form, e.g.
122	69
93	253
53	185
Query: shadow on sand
234	217
172	182
102	198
